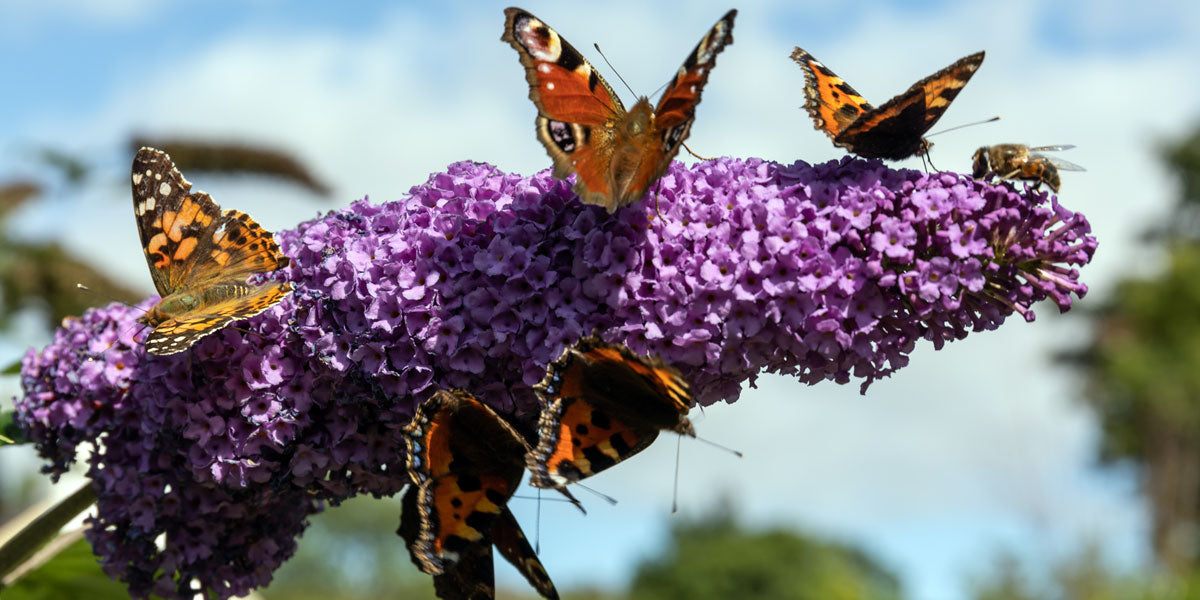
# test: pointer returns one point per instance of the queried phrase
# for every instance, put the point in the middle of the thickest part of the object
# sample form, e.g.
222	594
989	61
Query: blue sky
980	446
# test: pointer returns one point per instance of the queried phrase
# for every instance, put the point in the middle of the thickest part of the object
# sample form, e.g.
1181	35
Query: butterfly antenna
614	69
599	494
991	120
537	526
141	326
675	492
736	453
107	297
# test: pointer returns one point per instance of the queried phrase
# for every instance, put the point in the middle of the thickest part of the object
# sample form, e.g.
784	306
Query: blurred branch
47	273
74	170
14	194
16	548
191	156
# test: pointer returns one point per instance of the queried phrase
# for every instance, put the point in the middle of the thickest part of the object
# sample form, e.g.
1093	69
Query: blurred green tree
1141	370
714	557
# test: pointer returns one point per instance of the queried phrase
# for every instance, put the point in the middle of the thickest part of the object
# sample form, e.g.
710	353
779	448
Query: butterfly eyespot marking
539	40
562	134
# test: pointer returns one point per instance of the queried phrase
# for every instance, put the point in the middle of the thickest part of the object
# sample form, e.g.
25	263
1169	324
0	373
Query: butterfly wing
580	439
603	404
515	548
465	462
576	106
472	577
178	333
894	131
171	219
676	111
829	100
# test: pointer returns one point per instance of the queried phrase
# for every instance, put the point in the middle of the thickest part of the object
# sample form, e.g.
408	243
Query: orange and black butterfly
1018	161
465	462
616	155
893	131
199	256
603	404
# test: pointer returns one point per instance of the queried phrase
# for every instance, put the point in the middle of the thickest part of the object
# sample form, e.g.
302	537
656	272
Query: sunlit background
980	450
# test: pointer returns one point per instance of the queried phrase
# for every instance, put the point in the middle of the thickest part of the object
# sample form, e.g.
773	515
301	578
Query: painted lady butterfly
603	404
199	257
893	131
615	155
465	462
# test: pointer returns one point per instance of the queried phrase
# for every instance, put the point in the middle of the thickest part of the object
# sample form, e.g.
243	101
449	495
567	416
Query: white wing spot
148	204
549	85
692	89
137	178
180	338
164	188
543	68
157	176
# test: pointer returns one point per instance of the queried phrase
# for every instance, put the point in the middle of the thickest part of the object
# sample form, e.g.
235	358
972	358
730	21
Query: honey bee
1018	161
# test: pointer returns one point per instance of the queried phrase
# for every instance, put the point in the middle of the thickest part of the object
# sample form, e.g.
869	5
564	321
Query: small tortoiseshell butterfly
1018	161
199	257
603	404
893	131
465	462
615	155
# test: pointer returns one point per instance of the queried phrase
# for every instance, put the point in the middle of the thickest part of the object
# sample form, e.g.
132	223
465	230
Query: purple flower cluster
209	461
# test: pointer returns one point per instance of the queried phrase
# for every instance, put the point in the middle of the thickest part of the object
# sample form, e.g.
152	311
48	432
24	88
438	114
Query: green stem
42	529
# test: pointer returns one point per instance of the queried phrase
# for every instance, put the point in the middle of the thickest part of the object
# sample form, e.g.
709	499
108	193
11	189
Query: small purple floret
480	278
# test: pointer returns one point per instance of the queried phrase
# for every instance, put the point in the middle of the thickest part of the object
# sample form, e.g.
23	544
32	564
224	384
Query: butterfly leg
927	162
685	147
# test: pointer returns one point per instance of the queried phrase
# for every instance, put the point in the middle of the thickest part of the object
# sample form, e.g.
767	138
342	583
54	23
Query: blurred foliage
9	432
192	156
1141	369
1183	157
73	572
714	557
73	169
45	276
1083	576
346	554
15	194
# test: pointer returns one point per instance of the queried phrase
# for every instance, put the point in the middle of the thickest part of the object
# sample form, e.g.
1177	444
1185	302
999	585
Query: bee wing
1051	148
1059	163
1063	165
